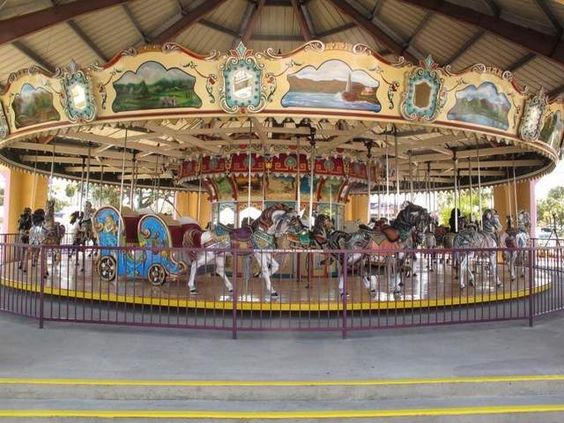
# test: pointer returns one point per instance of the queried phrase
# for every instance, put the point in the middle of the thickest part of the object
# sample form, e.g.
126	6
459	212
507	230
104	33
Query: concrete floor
64	350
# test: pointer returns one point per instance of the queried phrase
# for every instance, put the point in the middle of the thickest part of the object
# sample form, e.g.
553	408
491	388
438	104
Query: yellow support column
505	201
22	190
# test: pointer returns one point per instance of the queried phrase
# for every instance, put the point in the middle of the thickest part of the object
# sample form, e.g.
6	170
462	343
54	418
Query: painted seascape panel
334	85
153	86
33	105
551	132
483	105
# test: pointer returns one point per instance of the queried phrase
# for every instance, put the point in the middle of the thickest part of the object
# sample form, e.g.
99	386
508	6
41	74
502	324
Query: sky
552	180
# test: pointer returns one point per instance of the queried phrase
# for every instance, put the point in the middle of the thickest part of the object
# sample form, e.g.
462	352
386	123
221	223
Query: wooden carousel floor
318	292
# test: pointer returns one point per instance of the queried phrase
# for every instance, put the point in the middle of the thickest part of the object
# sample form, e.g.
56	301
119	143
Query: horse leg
264	260
493	265
220	270
196	264
512	259
462	269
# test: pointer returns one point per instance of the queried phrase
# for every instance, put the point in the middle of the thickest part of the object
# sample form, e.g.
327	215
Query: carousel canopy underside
419	143
425	155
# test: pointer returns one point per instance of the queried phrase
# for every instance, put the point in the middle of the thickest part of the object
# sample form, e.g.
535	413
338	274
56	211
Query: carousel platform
318	292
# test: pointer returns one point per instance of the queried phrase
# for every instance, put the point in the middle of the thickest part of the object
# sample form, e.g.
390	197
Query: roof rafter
547	10
521	62
250	24
14	28
543	44
300	16
371	28
469	43
189	19
36	57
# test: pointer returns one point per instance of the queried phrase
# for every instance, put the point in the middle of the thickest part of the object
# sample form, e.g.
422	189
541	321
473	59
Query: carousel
274	160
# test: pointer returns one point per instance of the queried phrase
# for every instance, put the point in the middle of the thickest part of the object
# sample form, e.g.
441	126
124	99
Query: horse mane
265	219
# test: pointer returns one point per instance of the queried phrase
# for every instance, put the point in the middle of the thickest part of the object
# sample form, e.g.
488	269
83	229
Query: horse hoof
499	285
373	291
194	291
274	294
470	283
345	295
400	284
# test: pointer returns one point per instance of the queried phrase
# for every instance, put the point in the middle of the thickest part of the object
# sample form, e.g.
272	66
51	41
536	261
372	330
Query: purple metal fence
311	294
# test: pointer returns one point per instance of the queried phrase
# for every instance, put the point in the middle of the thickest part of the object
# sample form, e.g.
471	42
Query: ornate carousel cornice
181	105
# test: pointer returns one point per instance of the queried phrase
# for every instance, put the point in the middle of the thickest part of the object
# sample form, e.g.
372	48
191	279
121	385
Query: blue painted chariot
157	235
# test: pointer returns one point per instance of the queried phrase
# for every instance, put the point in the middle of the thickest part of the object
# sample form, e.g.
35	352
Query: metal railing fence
308	290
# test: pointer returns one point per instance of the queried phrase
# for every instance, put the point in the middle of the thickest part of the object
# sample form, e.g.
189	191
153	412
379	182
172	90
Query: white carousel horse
273	222
472	238
516	239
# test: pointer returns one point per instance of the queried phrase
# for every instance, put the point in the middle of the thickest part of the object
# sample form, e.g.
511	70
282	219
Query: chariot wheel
107	268
157	275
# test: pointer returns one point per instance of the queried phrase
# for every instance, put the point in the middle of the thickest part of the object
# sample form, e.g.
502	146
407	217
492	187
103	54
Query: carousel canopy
395	86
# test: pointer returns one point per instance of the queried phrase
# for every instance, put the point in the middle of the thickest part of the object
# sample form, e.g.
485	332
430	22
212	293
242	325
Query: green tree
469	204
552	205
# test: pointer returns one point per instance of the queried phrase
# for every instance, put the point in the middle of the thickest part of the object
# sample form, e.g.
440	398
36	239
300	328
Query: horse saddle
240	237
385	232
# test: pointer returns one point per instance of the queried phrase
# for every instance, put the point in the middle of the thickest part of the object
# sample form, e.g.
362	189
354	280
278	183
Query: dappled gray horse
471	239
516	239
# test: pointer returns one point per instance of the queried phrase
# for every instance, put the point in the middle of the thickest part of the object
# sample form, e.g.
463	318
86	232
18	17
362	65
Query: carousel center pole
515	192
88	171
369	145
249	154
200	190
397	170
121	183
51	174
471	190
456	193
387	205
479	183
312	132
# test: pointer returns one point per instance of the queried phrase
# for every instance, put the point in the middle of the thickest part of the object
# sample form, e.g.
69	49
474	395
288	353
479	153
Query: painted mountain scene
33	105
483	106
152	86
551	132
334	85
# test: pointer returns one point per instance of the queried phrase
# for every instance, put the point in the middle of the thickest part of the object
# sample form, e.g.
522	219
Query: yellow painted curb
276	305
296	383
308	414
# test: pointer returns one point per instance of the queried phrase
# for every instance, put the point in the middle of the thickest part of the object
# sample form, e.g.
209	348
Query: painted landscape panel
334	85
551	132
152	86
281	187
483	106
33	105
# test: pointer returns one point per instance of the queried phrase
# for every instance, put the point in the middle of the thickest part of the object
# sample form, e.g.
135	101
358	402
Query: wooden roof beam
546	45
300	16
250	25
20	26
189	19
372	29
37	58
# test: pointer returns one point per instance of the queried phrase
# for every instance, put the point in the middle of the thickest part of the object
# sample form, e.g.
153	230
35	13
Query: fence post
531	285
344	295
42	270
234	294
